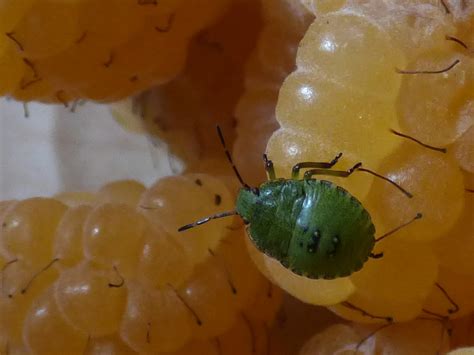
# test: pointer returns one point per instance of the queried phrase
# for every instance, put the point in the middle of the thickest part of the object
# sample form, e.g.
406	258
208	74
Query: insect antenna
418	216
229	158
438	149
207	219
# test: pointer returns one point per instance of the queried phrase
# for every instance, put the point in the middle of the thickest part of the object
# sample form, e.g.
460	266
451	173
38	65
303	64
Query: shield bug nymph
311	226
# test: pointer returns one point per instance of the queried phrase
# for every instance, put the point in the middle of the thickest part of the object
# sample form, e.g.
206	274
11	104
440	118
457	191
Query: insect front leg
341	173
309	164
269	168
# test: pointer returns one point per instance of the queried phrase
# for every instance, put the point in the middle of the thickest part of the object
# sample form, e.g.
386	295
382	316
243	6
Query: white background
55	150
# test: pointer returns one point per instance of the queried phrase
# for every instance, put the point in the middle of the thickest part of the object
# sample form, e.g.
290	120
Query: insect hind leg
309	164
357	167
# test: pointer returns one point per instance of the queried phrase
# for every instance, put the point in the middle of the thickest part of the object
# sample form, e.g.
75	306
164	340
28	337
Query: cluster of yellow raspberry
60	51
363	69
86	272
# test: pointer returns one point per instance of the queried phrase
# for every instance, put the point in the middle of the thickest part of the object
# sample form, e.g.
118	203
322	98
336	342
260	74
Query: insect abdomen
334	234
314	227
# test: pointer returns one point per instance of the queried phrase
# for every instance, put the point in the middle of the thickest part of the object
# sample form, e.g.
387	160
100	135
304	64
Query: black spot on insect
4	225
133	79
313	245
198	182
217	199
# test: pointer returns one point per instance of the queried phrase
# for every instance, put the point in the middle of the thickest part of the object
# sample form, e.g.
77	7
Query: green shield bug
313	227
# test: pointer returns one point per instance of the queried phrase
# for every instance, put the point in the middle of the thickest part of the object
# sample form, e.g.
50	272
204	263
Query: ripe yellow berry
210	295
74	199
162	261
44	319
463	149
49	17
333	38
91	299
113	236
12	67
412	166
28	229
395	285
437	108
68	242
246	281
460	290
456	247
156	320
163	205
272	60
12	12
21	285
123	191
111	344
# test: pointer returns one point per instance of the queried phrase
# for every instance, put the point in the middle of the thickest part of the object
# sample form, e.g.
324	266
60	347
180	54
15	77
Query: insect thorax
313	227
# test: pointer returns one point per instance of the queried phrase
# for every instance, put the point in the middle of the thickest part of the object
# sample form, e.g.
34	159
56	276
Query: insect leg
309	174
357	167
269	168
376	256
309	164
418	216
